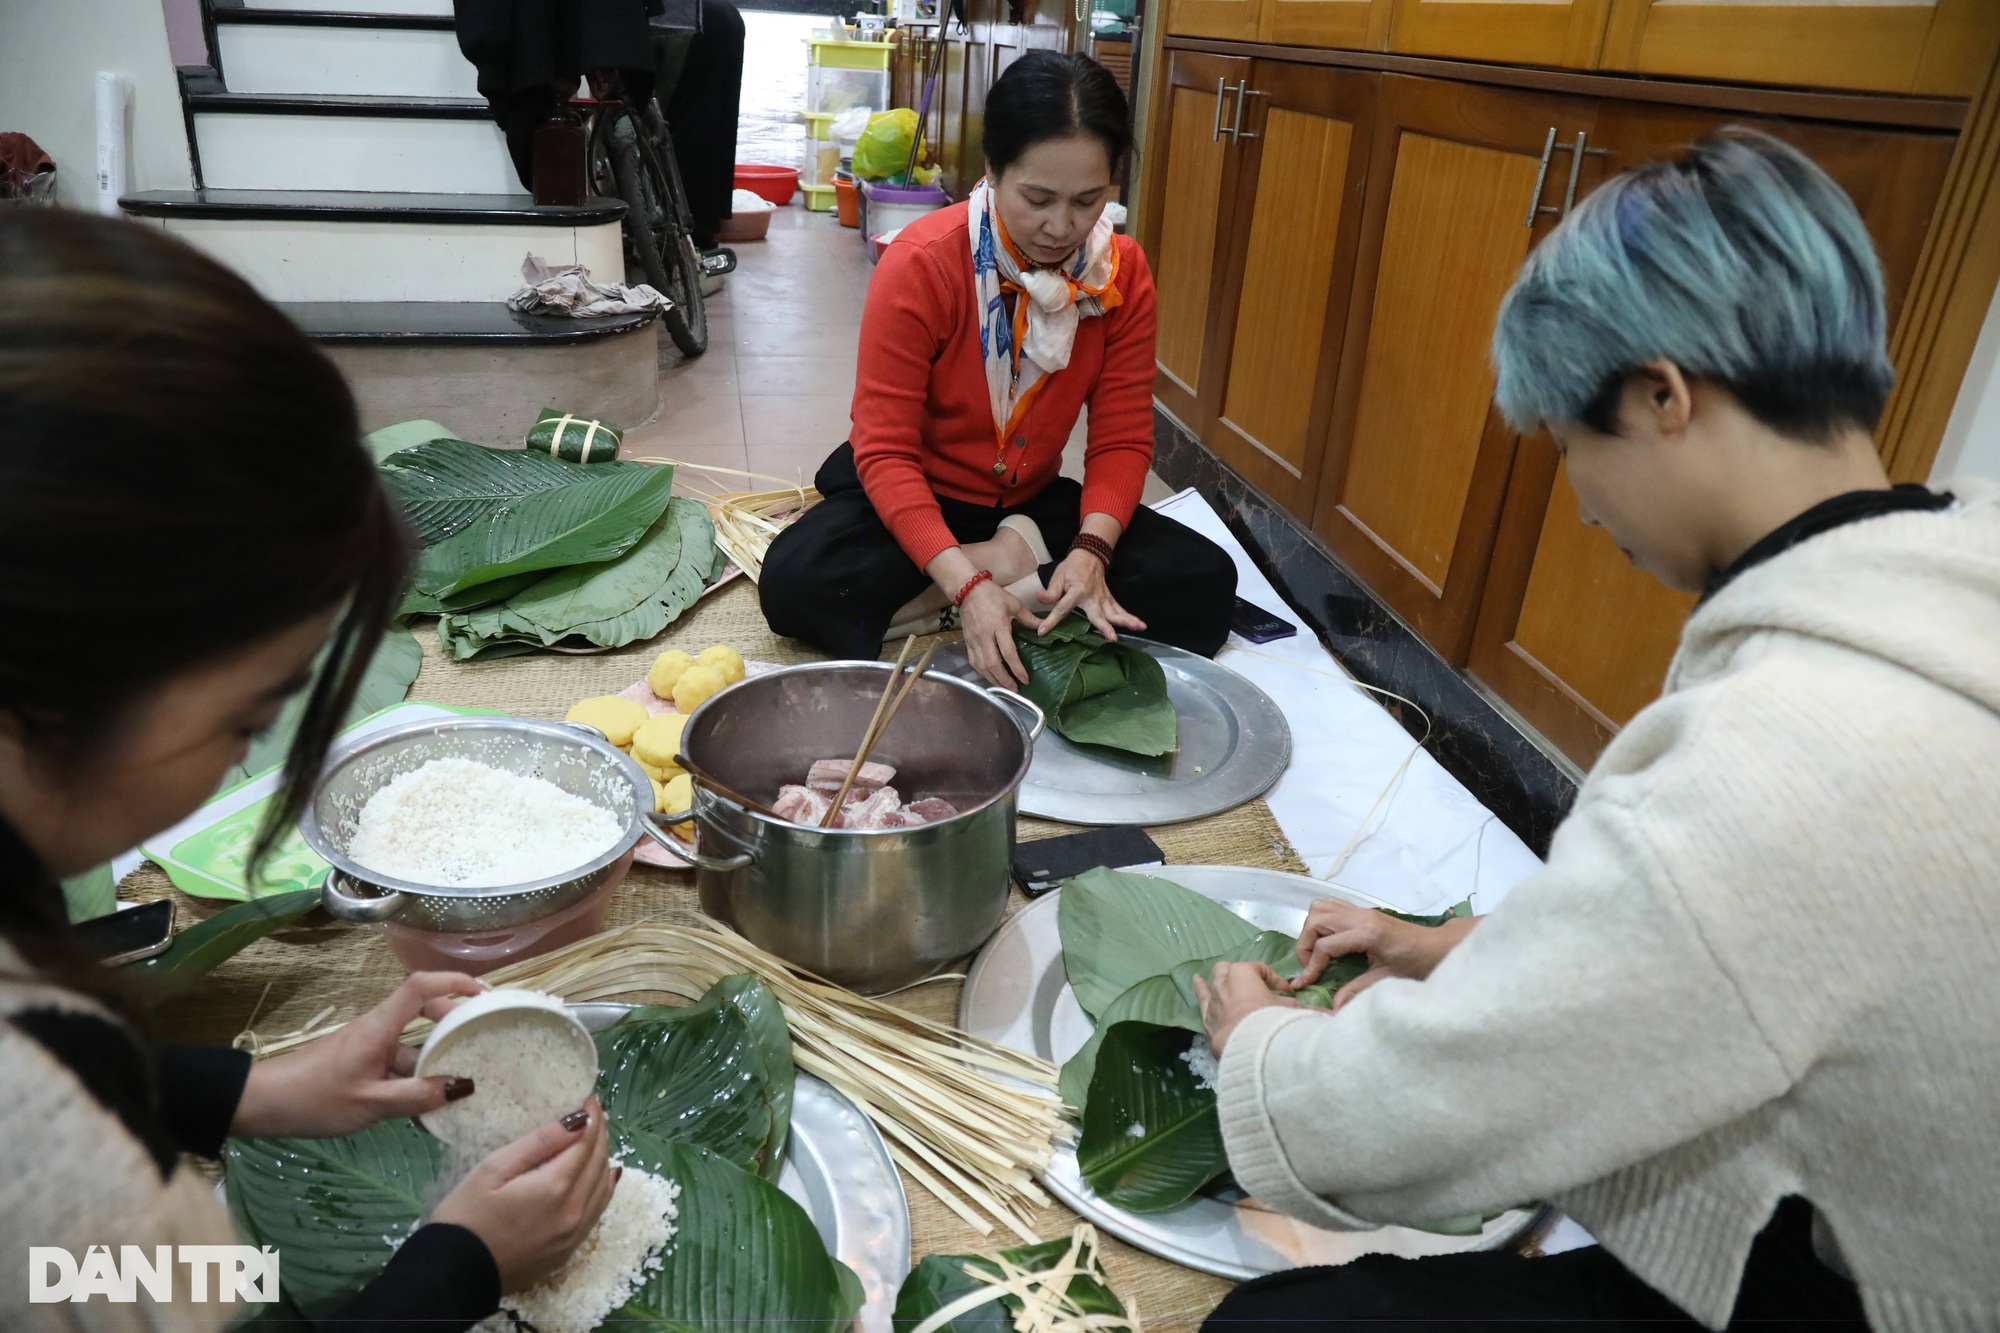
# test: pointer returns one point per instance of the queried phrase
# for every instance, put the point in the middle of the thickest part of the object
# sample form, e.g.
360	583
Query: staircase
345	165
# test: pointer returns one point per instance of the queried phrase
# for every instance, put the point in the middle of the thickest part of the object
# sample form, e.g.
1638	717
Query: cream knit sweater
1763	959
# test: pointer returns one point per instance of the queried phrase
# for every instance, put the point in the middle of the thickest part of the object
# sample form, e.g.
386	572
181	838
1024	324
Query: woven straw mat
279	984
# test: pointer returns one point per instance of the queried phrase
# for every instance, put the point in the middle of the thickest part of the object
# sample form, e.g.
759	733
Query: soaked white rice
1201	1059
455	823
627	1245
527	1068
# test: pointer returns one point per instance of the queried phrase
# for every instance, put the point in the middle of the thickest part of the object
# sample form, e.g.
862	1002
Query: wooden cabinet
1253	239
1520	32
1568	633
1938	47
1360	25
1196	177
1461	180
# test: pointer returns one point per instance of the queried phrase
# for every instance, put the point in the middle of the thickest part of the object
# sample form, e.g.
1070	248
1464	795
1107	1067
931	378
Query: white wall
1971	446
50	52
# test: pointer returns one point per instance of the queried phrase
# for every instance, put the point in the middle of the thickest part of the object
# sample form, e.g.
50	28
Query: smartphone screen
127	936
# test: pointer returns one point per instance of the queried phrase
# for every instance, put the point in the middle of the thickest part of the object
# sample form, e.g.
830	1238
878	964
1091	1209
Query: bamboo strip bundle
972	1121
747	521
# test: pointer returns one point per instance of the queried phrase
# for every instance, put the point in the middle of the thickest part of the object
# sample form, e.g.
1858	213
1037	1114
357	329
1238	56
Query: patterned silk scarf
1022	352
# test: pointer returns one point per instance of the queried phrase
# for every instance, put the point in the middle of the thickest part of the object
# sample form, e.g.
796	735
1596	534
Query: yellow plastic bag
884	148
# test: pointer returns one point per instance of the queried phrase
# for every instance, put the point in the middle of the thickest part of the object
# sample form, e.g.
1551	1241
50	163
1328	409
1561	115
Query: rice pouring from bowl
529	1059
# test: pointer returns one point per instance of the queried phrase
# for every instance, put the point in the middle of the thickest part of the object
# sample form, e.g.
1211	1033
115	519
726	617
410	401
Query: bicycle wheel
657	237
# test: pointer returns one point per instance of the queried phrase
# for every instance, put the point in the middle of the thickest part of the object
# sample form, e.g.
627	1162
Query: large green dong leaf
1151	1136
583	593
745	1256
484	514
1096	692
691	1074
336	1209
1119	928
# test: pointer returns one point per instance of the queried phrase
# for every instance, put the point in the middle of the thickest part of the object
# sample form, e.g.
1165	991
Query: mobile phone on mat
129	935
1256	624
1046	862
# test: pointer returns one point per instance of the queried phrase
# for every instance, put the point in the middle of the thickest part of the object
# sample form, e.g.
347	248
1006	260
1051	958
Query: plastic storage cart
842	74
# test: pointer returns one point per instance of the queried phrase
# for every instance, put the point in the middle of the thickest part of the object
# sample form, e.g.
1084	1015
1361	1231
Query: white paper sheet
1430	844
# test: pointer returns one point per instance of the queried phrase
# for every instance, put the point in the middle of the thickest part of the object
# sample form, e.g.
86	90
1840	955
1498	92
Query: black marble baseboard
1526	786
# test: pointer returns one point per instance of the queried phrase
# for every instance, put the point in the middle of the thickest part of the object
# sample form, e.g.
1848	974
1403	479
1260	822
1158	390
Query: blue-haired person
1744	1025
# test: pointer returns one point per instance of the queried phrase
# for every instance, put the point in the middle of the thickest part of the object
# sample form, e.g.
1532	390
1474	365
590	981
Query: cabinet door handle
1236	130
1535	206
1215	130
1577	154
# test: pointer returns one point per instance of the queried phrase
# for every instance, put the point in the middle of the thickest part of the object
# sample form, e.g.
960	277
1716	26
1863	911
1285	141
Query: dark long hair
180	473
1049	95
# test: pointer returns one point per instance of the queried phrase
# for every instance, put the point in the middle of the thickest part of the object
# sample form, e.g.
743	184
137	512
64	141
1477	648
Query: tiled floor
772	392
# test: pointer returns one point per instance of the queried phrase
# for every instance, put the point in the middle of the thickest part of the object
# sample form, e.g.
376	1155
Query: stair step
341	105
324	51
322	16
369	206
449	323
269	141
353	6
348	246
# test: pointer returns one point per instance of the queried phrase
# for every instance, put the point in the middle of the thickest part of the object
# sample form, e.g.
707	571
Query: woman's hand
535	1200
1335	929
1078	584
1233	993
362	1073
988	617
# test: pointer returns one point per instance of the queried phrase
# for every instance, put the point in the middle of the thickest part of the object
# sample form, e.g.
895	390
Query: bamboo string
1395	778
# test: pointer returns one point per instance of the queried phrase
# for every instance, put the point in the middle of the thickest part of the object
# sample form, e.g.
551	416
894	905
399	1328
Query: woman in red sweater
989	326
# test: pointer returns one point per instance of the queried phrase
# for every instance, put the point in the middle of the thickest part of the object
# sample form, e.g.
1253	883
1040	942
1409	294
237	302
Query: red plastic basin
775	183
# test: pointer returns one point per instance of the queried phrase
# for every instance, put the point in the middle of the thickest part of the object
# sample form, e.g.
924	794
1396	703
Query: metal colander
577	759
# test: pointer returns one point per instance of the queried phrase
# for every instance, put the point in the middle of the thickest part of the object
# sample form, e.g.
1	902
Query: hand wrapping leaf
1096	692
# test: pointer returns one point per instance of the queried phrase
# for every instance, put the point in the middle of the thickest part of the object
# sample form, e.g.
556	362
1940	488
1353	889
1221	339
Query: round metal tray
1018	995
839	1170
1234	743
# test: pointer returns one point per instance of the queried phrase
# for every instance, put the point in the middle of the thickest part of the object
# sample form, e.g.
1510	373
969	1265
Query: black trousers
1784	1283
836	577
701	108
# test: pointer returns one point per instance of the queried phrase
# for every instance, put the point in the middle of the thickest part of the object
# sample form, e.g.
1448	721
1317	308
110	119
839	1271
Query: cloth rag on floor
568	289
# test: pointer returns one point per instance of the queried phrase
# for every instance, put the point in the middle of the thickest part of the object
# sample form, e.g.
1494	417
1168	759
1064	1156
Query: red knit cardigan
922	426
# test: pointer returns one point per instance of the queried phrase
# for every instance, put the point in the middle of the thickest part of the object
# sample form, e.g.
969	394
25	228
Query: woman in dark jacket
180	468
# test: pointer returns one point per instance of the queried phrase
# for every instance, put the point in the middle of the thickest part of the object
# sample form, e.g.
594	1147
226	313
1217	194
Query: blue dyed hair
1741	262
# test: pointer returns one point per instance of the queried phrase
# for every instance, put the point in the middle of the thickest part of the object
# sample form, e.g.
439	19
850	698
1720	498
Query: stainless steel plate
839	1170
1234	743
1017	994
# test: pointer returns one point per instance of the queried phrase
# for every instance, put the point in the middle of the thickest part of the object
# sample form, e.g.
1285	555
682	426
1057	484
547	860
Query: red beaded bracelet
1096	545
983	576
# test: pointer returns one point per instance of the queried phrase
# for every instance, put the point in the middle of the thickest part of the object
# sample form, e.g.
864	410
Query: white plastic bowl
509	1006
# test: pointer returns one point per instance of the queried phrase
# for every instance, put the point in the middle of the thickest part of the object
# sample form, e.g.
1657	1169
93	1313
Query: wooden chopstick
709	780
875	727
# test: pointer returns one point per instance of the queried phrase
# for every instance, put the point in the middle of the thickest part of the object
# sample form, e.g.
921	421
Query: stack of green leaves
700	1095
523	551
1096	692
1151	1137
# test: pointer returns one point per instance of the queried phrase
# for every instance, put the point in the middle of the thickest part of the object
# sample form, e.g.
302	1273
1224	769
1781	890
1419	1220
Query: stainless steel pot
870	909
577	759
